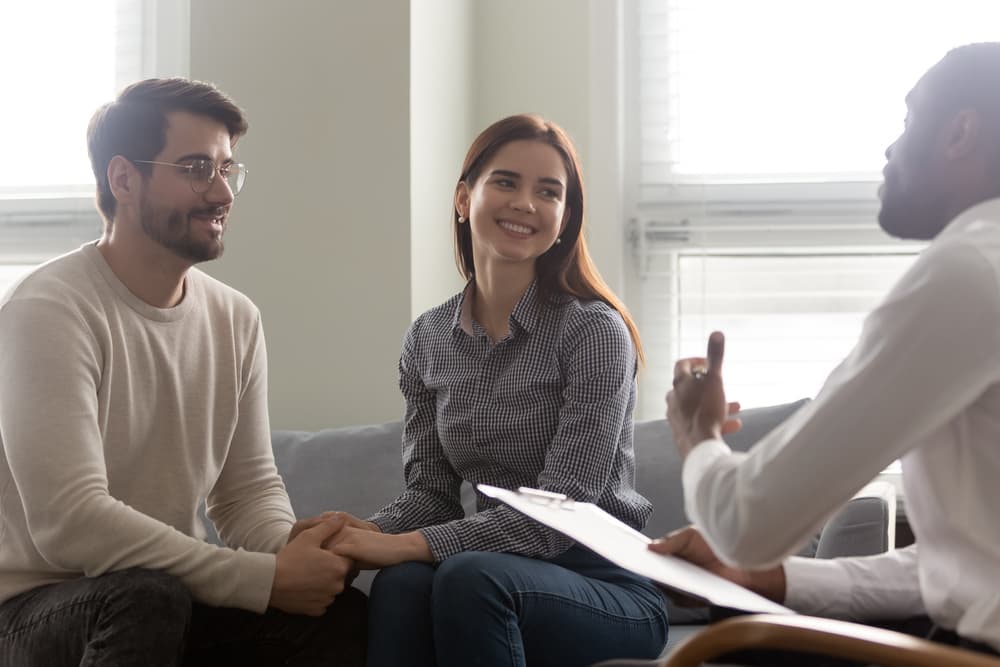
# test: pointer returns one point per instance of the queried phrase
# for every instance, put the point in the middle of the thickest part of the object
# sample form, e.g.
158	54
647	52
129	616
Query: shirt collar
985	211
527	312
463	310
525	316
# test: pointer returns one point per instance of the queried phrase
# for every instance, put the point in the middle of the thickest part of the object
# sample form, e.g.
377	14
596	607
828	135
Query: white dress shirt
923	385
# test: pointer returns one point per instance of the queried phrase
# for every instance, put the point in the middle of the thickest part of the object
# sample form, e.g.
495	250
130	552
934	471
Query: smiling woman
525	378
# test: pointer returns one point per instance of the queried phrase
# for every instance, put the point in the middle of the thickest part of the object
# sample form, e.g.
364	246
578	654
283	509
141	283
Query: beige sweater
117	419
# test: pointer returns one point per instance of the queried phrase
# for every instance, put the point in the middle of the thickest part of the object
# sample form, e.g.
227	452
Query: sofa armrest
864	527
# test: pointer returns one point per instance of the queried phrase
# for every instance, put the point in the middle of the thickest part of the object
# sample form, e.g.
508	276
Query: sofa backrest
356	469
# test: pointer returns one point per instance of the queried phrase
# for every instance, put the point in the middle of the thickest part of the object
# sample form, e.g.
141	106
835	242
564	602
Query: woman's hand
354	522
372	550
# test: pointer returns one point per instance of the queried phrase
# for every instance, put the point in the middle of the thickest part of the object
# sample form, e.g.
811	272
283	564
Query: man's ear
462	197
964	134
123	180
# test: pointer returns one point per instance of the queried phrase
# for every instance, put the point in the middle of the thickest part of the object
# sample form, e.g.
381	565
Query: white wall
442	127
320	238
360	114
558	58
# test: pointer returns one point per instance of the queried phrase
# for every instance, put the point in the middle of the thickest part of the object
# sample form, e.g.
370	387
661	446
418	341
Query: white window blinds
783	90
757	138
790	315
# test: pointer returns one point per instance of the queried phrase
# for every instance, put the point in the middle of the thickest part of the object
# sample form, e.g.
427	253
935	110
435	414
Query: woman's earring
558	240
461	219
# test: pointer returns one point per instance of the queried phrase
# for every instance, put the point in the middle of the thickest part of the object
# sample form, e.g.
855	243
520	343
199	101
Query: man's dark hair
135	125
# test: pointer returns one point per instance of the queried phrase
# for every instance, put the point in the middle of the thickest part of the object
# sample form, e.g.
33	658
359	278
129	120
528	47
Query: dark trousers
499	609
144	617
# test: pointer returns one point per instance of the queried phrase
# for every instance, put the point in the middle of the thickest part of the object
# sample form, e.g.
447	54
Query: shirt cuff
817	586
256	574
385	523
698	461
443	541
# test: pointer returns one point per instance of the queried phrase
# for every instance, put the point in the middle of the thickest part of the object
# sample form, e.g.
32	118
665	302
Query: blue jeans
144	617
479	608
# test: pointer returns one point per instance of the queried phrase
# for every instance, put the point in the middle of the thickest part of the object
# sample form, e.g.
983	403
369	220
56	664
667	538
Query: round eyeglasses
201	173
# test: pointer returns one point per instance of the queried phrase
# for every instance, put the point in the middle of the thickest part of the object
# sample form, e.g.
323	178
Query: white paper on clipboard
597	530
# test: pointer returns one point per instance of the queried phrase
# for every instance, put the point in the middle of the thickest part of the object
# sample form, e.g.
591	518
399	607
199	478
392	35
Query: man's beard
173	231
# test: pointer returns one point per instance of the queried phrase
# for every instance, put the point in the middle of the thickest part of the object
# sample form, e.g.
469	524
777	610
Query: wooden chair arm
821	636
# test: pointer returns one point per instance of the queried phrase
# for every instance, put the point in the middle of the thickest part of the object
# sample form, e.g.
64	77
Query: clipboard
597	530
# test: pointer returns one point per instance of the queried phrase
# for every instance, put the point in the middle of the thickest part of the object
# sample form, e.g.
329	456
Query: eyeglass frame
216	170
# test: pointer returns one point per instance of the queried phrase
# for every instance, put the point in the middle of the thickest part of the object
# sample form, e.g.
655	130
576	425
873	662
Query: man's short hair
135	125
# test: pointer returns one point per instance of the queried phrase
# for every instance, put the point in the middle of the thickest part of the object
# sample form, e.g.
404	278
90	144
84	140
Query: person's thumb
716	351
323	531
668	544
676	541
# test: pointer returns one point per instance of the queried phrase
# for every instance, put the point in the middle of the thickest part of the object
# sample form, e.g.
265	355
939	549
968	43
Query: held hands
372	549
696	407
349	520
307	577
689	544
364	543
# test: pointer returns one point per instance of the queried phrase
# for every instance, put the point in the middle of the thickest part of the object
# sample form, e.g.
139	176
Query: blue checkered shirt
549	406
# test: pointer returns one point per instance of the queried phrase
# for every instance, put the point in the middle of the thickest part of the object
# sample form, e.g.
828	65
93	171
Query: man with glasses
133	387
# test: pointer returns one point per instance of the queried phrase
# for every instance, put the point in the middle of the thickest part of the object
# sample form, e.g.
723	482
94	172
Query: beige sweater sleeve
249	504
51	367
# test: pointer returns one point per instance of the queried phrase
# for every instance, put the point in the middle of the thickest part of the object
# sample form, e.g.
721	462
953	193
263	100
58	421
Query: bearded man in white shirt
922	385
133	387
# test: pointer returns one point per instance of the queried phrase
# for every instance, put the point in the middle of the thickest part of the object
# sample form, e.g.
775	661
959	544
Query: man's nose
219	192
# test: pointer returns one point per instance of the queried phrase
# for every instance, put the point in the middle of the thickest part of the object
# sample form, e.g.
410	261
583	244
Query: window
60	60
779	91
755	135
791	313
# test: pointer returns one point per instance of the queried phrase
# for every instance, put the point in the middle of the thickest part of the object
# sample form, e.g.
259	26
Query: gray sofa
358	470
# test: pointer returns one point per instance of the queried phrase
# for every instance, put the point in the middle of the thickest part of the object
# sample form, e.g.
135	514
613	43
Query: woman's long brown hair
565	268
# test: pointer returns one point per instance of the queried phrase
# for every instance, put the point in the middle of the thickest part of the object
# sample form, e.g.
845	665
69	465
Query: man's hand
349	519
696	407
688	543
307	577
355	522
372	550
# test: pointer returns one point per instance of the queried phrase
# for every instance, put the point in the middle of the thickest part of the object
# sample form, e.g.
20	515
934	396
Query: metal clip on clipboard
547	498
